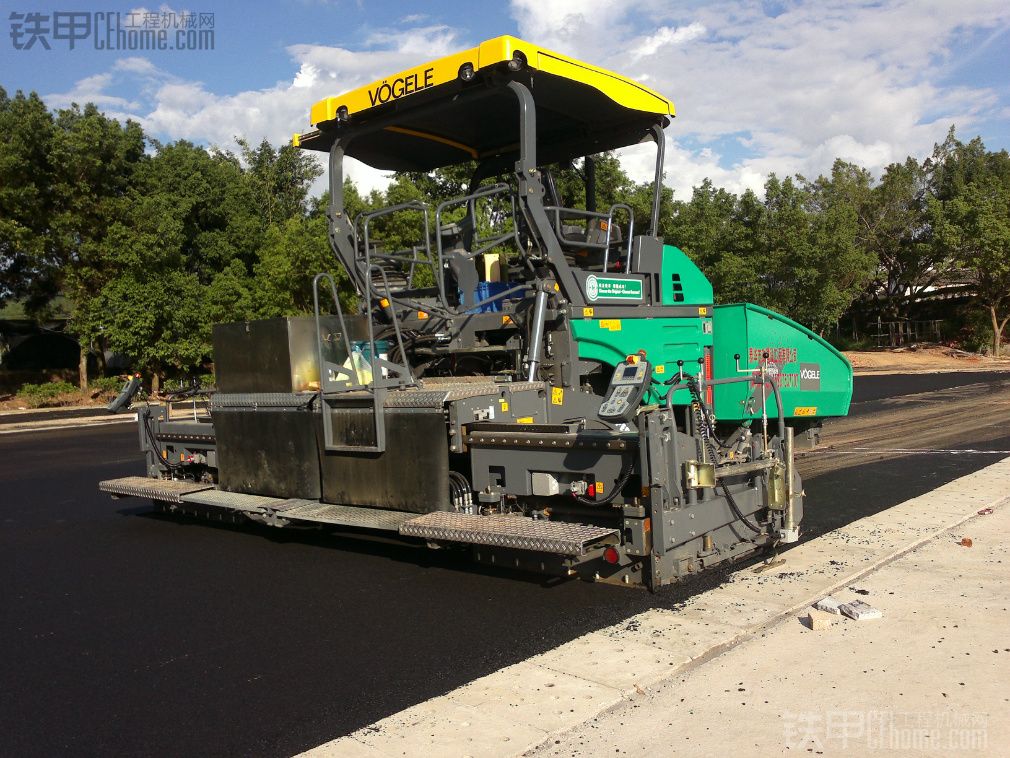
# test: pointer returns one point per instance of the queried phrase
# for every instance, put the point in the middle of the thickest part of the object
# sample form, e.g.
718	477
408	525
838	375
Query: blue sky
759	86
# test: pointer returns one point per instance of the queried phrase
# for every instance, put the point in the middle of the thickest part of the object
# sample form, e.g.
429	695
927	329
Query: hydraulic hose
622	479
703	422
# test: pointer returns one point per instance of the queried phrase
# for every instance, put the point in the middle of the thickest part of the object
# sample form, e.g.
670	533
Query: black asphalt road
128	633
872	387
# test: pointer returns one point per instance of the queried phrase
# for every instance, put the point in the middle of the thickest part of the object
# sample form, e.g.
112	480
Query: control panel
627	386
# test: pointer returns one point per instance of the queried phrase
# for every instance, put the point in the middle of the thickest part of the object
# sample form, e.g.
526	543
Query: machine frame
516	464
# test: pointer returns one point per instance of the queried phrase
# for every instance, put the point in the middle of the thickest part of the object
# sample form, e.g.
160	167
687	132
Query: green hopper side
815	378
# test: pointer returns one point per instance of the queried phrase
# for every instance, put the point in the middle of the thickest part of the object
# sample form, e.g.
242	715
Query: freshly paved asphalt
128	633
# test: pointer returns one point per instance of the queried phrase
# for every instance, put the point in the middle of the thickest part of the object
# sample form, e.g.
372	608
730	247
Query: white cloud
866	82
665	35
755	93
179	109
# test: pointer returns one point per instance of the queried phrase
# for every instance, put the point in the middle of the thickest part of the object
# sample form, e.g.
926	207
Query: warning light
591	490
611	556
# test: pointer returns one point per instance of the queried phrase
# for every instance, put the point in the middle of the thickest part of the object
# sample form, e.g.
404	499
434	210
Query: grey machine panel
411	475
268	451
273	355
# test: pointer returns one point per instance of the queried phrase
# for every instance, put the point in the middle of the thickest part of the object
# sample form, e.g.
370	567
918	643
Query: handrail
558	210
323	370
631	233
378	364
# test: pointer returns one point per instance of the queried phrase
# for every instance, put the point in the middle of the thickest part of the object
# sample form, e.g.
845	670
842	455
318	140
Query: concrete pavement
659	681
930	678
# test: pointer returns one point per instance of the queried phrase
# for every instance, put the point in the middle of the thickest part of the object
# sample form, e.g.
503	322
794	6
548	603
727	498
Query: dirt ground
923	358
931	420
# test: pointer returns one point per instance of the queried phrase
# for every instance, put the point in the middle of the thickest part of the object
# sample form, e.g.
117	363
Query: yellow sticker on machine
525	420
504	405
587	312
557	395
805	410
599	488
611	324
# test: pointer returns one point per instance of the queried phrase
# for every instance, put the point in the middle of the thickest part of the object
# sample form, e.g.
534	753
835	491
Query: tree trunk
997	331
83	367
100	357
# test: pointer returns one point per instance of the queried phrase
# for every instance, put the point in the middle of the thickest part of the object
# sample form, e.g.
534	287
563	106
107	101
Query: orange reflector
708	377
421	315
384	303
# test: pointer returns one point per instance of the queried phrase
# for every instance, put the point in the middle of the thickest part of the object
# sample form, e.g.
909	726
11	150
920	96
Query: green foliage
151	244
796	251
970	215
107	384
279	179
47	395
292	253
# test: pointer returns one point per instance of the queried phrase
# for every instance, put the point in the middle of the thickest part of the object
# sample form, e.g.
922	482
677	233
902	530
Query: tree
717	231
63	182
293	253
844	264
179	259
149	307
27	132
893	225
973	224
280	179
795	251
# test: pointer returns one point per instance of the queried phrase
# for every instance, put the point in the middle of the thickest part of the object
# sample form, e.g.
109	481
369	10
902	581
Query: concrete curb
103	418
529	704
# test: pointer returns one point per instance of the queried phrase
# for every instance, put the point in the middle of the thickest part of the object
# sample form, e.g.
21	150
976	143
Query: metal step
298	509
348	515
516	532
235	501
167	490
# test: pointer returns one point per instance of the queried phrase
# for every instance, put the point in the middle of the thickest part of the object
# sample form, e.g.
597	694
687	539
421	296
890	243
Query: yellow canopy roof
588	107
620	89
